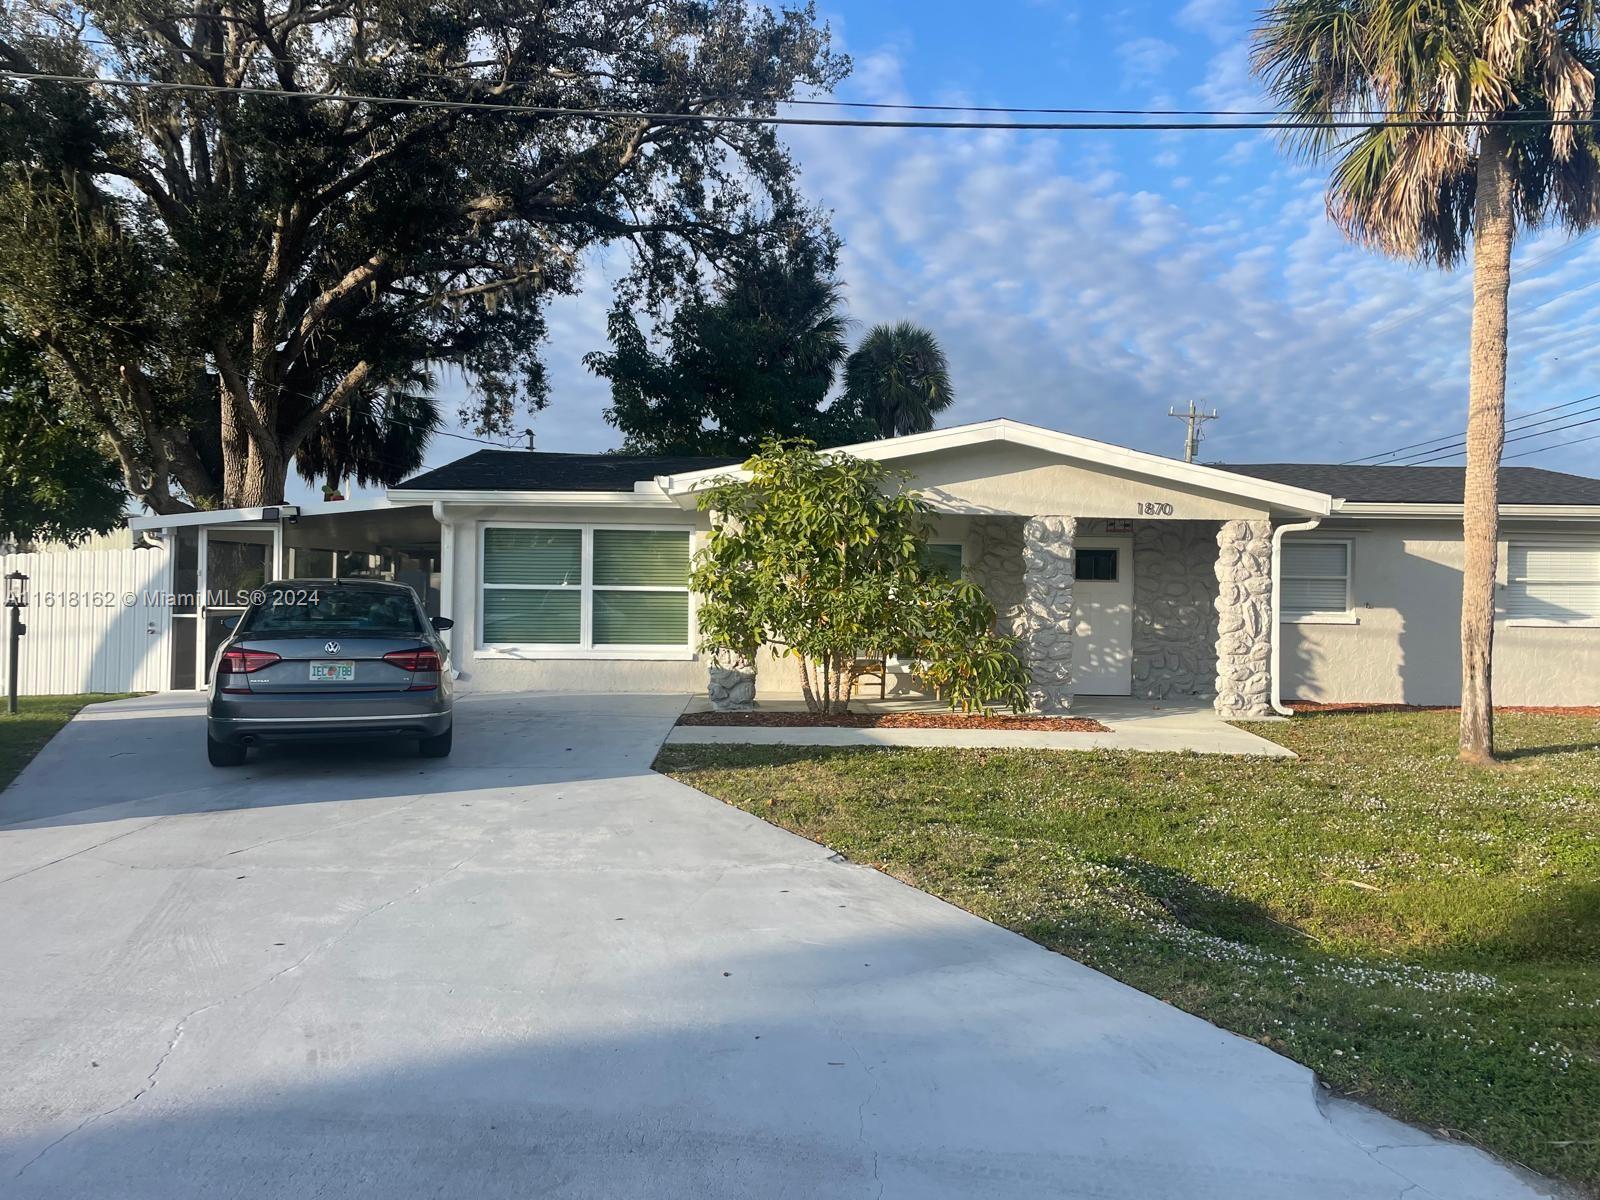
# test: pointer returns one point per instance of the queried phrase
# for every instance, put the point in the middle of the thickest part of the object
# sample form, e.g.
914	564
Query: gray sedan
330	659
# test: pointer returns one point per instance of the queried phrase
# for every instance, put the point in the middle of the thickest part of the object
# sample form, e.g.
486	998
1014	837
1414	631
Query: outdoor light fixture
284	512
16	601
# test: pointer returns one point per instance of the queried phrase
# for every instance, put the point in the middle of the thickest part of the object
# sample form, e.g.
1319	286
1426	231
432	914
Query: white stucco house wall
1120	572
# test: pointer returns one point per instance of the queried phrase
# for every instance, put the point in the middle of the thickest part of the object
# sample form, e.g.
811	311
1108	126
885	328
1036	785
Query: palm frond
1409	190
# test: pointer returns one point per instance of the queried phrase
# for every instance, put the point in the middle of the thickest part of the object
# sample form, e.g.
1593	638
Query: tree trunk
1486	432
266	477
805	683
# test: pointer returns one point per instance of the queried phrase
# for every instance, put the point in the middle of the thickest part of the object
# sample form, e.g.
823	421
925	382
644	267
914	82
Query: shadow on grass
1515	753
1202	907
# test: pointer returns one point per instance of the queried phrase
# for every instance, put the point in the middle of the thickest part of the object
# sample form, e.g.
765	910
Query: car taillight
413	660
243	662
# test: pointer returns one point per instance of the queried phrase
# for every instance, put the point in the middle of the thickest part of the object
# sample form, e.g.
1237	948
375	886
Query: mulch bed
906	720
1536	710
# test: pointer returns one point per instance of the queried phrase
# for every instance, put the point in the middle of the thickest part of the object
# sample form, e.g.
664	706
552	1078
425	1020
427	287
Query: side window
1555	584
1316	578
943	558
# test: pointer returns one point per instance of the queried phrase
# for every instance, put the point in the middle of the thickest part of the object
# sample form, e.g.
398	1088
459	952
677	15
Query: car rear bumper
249	719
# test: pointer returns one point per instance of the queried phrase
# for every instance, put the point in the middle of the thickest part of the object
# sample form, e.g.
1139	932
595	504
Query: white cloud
1216	19
1144	59
1069	296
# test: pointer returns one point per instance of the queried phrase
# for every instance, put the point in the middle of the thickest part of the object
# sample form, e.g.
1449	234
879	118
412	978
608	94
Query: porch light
16	590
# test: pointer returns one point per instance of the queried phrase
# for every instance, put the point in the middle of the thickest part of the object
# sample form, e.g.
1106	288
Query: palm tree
898	379
1466	111
377	438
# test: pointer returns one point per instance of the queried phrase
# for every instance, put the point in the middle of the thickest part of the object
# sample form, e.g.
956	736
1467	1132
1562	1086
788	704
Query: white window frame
1505	581
1330	616
584	647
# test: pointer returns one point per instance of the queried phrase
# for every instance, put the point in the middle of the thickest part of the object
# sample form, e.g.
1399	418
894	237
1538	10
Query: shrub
821	555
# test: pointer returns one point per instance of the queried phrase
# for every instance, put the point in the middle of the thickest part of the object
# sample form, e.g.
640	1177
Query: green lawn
1424	935
22	736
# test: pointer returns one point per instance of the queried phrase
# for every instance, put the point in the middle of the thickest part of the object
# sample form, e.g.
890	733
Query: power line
1522	438
881	105
753	119
1457	444
1451	437
1593	437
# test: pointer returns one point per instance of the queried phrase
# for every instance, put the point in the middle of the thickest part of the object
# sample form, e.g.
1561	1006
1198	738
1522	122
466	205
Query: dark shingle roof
537	471
1422	485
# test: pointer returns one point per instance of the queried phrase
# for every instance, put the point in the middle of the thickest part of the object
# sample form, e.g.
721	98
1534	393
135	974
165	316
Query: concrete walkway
1172	727
537	969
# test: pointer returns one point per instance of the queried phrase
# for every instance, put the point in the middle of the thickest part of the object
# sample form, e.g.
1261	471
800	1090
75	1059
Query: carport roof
542	471
1379	484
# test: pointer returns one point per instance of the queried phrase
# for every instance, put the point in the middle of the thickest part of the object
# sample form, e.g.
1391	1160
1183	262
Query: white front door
1102	617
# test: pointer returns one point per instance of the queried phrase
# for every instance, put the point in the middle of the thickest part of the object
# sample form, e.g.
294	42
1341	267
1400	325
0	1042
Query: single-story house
1121	572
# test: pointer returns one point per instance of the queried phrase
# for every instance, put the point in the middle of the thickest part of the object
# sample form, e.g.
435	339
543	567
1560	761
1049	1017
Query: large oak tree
218	273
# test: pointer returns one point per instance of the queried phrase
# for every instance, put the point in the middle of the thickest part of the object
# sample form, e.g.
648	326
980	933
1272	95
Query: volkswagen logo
332	647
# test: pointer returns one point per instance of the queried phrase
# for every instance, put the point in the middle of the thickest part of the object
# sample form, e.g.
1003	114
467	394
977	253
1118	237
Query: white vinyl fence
96	620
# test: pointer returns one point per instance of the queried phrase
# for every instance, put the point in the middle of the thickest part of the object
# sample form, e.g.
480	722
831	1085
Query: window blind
1316	577
641	558
585	587
538	557
1550	582
538	616
640	618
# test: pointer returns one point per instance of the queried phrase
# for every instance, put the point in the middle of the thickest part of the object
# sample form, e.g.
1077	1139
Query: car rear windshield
313	610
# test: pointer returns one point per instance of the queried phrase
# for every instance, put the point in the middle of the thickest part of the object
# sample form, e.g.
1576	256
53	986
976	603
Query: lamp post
16	601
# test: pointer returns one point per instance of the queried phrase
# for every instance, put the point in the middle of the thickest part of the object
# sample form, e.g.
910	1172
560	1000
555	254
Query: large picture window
583	588
1550	583
1316	578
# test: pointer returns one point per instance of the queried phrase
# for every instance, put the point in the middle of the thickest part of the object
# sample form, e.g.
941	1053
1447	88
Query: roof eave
565	499
1534	512
1002	429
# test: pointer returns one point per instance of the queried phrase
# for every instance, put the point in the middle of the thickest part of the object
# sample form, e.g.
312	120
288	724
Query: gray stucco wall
1400	642
1174	609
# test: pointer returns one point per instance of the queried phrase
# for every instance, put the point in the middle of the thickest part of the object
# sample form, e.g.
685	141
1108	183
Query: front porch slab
1140	725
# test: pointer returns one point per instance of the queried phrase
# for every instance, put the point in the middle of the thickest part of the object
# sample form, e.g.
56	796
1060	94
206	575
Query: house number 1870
1154	508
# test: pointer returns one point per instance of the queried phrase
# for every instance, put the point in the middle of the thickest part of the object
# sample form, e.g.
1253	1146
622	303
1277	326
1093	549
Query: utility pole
1195	419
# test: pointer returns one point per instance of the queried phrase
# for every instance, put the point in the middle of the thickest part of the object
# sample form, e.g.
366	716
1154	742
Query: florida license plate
332	672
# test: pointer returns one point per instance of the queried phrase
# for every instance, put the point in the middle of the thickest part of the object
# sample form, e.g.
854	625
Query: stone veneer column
1047	573
1244	619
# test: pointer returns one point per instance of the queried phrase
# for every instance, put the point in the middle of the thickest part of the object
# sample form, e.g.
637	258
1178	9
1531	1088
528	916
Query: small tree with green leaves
822	556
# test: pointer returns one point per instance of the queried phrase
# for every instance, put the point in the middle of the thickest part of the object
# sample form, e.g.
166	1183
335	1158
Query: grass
1424	935
36	722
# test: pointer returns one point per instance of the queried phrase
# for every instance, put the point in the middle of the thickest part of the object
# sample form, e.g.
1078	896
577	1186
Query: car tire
222	754
437	746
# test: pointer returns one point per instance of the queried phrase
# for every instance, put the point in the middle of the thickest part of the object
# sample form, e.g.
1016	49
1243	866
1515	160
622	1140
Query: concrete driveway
538	969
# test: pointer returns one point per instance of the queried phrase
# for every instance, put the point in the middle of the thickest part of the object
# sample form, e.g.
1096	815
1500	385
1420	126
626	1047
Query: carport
218	557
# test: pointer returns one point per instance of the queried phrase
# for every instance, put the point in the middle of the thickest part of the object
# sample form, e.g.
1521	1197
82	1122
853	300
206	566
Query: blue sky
1087	281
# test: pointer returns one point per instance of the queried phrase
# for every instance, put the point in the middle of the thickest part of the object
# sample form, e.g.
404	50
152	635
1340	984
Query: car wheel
221	754
437	746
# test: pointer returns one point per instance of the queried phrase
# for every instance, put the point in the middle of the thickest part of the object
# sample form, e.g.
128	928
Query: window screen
1550	582
1316	577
